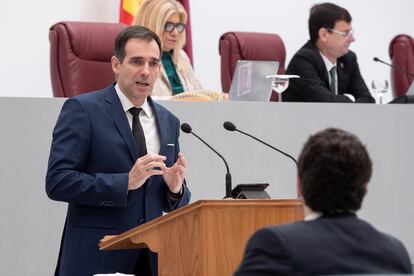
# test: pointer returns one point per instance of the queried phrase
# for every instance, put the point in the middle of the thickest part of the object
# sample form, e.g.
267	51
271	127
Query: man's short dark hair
325	15
334	168
133	32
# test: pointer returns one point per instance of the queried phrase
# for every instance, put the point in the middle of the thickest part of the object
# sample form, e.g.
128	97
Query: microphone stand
228	175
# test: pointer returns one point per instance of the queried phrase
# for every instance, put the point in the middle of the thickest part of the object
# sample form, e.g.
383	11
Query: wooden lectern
207	237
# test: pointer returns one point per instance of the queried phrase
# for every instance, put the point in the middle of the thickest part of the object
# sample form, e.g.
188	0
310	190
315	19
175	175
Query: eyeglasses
169	27
343	33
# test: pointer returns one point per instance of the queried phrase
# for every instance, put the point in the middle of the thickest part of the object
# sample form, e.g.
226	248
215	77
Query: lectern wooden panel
207	237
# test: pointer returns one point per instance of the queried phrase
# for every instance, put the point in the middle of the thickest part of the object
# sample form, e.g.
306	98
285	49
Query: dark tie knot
135	111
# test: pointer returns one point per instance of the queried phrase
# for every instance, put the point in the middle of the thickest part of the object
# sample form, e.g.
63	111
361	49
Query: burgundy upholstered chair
401	52
80	56
234	46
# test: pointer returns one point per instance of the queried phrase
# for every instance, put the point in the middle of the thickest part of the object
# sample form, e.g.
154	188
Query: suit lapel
342	76
320	63
160	121
326	77
114	107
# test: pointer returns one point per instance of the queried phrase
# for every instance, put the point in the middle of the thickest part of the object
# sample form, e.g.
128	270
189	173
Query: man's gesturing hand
143	168
174	176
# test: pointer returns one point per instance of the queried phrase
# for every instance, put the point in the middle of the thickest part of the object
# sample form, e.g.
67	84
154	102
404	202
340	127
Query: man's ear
298	187
366	187
322	34
159	68
115	64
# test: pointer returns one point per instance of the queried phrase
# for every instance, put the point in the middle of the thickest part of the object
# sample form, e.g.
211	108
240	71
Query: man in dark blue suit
333	171
328	70
116	166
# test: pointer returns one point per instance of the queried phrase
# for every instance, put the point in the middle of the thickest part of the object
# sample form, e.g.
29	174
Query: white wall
25	25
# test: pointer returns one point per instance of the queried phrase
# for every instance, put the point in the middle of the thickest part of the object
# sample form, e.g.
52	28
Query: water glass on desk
380	87
280	83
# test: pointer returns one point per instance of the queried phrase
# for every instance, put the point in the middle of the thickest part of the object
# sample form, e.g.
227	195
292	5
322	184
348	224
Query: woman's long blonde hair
153	14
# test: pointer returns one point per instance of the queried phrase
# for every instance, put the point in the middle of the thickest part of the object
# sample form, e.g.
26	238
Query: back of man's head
325	15
334	168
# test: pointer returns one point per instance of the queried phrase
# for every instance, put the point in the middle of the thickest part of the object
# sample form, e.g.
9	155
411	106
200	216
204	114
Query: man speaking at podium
115	159
333	172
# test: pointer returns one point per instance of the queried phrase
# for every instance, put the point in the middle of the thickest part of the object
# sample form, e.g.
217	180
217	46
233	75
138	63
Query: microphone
394	67
187	129
231	127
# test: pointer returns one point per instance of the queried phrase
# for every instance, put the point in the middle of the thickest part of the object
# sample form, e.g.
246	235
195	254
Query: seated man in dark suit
333	171
328	70
116	161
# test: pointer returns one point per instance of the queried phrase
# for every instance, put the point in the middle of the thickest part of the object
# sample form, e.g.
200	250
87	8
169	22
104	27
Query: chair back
401	52
234	46
80	56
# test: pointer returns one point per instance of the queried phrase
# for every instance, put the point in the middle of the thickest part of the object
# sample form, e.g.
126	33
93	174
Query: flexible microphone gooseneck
231	127
393	66
187	129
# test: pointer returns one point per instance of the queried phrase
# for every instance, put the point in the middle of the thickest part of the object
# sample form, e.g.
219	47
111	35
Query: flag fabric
128	10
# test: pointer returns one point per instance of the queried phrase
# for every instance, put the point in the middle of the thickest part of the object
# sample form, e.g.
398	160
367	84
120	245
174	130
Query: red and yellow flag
128	10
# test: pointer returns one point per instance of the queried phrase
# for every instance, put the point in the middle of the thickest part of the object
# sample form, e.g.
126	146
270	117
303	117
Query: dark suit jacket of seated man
331	34
333	170
102	170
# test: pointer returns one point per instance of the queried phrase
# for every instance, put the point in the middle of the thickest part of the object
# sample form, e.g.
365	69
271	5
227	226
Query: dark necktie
334	81
138	131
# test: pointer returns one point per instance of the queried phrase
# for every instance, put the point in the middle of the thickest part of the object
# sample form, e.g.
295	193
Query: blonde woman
167	18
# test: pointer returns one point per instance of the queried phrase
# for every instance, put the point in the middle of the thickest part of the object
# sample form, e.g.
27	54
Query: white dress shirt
147	119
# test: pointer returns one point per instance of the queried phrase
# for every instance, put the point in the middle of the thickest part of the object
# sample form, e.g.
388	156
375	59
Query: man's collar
127	104
312	215
327	62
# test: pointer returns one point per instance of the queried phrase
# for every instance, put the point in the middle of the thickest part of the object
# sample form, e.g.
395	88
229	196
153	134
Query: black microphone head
229	126
186	128
376	59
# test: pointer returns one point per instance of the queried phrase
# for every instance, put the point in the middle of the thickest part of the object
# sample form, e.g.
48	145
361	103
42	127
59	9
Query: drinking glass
280	83
380	87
